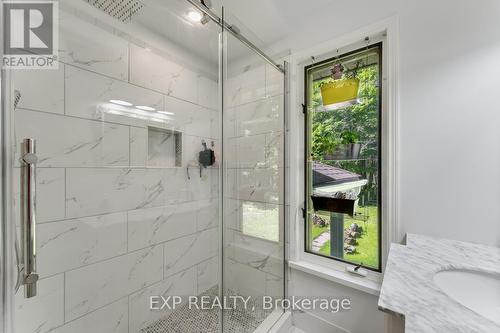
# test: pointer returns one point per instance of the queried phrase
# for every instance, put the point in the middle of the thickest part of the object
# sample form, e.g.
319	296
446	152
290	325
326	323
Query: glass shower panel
253	134
125	211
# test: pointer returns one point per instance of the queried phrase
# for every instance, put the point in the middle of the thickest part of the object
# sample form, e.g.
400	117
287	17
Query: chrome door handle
28	217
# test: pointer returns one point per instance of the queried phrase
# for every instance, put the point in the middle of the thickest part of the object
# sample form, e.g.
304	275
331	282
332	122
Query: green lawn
367	247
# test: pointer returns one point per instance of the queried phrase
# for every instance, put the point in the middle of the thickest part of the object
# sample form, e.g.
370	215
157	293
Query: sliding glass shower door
253	181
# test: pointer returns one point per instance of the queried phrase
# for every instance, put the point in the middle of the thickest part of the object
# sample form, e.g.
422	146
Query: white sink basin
477	291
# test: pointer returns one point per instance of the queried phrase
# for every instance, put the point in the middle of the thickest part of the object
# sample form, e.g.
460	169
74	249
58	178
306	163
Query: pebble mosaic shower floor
186	320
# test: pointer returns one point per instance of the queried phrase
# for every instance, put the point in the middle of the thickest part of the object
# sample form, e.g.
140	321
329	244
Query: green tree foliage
360	121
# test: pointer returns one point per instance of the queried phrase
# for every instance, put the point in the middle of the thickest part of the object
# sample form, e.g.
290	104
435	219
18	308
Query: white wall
449	145
449	138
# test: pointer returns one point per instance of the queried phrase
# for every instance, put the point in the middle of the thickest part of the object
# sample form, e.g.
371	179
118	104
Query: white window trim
299	258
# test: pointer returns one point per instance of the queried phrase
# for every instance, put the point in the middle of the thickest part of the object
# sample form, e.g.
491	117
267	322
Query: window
343	157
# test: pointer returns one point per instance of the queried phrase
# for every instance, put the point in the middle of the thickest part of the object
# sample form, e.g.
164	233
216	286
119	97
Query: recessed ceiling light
145	108
166	112
195	16
120	102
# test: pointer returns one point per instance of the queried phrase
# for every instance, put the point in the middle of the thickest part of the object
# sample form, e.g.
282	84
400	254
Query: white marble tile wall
87	46
72	142
182	284
112	318
152	71
111	226
43	312
254	128
182	252
85	241
91	287
41	89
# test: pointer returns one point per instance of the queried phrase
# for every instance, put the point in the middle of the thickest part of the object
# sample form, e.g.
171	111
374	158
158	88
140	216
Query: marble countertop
409	290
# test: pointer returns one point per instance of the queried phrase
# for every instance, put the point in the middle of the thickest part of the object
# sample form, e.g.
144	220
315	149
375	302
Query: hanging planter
341	92
334	205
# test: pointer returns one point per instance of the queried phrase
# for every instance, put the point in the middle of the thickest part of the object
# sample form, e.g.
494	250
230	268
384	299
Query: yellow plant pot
340	91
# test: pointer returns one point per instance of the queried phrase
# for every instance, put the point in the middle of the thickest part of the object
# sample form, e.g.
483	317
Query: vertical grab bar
28	217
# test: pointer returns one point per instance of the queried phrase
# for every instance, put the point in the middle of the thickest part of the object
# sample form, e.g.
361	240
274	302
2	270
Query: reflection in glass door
253	195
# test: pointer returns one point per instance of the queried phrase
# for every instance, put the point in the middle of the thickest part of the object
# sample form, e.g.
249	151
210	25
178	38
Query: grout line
175	204
64	297
130	146
89	313
127	253
64	89
128	313
127	218
65	194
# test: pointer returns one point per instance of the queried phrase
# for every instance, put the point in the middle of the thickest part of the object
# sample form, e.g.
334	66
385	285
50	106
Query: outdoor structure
336	190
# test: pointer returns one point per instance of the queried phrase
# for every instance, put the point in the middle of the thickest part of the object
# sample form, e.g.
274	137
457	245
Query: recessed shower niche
164	147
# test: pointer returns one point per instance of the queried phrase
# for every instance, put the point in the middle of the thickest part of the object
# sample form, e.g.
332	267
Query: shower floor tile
186	320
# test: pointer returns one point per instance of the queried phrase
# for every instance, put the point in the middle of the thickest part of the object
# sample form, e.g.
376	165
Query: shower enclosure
148	164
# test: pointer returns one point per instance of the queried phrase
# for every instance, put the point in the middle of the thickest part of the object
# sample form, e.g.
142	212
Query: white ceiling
264	22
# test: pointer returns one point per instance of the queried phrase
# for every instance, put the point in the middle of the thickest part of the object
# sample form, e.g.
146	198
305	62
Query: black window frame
306	209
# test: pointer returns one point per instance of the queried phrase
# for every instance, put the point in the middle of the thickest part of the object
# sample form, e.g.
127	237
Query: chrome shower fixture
122	10
17	98
208	4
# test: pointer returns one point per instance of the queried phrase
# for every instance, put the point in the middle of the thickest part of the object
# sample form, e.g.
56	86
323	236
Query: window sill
344	278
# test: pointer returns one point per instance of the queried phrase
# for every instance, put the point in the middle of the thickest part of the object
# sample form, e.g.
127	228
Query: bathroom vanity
441	286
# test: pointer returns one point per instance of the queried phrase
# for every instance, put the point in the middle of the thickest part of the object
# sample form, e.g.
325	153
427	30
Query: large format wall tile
257	253
181	189
260	184
93	286
207	214
244	280
188	251
258	117
190	118
156	225
71	142
83	241
49	194
208	274
88	95
246	152
85	45
245	86
138	146
44	312
112	318
182	284
40	89
152	71
100	191
208	91
275	82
